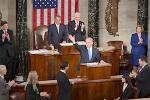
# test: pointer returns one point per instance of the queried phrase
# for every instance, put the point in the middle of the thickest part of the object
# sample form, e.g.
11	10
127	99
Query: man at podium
88	53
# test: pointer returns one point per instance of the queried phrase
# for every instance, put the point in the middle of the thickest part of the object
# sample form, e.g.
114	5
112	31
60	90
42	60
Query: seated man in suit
77	28
88	53
142	78
57	33
4	88
63	82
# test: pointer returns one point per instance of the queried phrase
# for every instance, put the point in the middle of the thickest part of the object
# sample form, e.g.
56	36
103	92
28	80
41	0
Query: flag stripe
49	16
34	19
45	17
72	9
52	16
62	11
55	12
42	17
69	10
66	12
38	17
76	5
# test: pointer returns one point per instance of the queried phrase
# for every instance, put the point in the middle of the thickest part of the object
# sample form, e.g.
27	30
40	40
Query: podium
95	71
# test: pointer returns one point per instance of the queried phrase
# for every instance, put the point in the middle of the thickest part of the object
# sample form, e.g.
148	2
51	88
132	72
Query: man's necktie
90	53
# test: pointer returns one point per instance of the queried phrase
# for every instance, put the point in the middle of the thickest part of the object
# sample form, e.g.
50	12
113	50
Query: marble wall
127	21
8	9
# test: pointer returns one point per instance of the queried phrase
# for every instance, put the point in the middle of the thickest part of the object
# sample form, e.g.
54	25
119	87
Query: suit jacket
143	81
6	47
138	49
85	56
4	90
127	93
54	37
79	35
64	86
31	94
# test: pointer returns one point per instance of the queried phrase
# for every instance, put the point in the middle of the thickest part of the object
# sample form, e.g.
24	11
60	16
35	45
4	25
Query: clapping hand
72	38
140	41
133	73
82	27
11	83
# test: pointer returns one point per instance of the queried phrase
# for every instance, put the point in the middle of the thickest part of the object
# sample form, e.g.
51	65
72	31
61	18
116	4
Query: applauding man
77	28
6	49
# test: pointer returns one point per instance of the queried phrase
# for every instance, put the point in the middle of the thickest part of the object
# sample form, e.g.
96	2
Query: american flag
44	11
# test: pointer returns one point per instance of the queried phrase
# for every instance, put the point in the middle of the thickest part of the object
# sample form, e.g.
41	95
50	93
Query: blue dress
137	49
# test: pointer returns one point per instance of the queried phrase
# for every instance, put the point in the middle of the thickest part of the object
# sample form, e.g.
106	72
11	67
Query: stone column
142	17
142	14
93	20
22	40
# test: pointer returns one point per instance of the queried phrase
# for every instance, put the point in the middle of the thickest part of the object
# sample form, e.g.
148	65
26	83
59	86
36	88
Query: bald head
3	70
77	16
89	42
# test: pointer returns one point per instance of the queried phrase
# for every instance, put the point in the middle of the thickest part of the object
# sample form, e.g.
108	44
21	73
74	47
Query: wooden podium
95	71
48	65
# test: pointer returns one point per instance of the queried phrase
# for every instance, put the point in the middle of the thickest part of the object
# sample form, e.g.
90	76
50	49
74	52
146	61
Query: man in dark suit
142	78
4	88
57	33
88	53
77	28
63	83
6	49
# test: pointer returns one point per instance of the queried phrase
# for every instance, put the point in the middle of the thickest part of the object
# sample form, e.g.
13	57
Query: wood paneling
84	90
48	65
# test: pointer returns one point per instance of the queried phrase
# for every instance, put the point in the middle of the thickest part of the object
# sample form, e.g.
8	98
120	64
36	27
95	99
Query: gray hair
2	67
89	38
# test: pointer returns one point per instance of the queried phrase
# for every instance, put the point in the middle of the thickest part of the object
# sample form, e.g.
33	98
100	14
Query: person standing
57	33
77	28
4	87
138	42
63	82
6	49
88	53
142	78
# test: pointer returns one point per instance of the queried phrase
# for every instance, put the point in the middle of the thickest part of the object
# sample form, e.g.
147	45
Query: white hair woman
33	89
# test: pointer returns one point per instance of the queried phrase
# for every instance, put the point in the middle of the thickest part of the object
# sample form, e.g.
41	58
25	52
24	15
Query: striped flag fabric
44	11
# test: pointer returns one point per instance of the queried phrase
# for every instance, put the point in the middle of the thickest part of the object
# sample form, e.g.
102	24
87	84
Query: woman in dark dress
33	89
127	89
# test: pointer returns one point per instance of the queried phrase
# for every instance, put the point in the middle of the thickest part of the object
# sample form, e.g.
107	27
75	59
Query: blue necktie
90	53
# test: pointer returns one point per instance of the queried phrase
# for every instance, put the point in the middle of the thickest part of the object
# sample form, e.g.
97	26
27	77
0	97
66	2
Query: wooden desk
48	65
83	90
95	71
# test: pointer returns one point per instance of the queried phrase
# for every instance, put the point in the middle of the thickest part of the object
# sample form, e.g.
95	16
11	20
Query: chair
124	62
117	44
41	34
